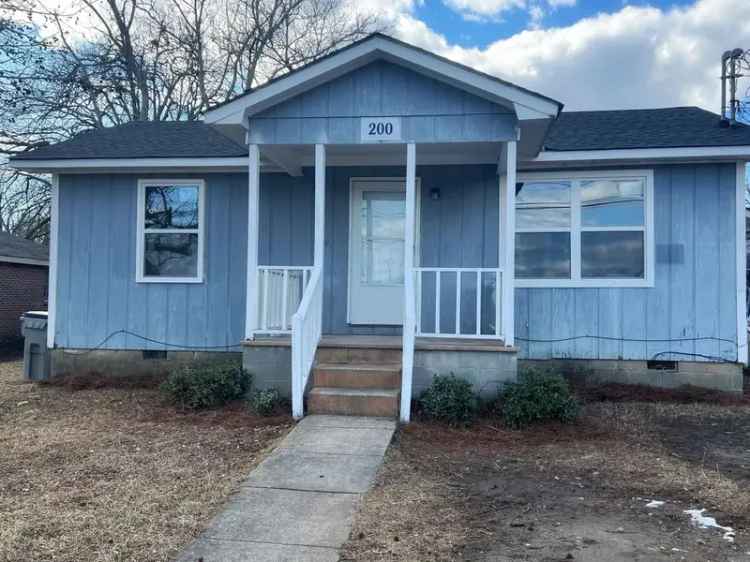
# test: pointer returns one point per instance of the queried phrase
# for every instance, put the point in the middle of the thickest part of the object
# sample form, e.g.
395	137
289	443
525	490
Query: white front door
376	252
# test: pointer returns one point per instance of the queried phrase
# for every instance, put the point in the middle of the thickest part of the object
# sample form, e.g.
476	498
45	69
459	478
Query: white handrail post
509	244
253	204
409	300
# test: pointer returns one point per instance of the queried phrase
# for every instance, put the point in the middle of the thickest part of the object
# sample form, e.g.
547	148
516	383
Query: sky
587	54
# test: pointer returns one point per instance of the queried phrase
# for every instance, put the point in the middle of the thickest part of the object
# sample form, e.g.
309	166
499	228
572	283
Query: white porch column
253	209
320	205
409	293
54	221
508	196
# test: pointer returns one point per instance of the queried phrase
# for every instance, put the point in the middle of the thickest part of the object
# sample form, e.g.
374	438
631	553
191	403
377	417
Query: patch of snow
654	504
704	522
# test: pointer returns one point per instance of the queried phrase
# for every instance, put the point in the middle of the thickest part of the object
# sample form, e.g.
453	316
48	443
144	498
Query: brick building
23	282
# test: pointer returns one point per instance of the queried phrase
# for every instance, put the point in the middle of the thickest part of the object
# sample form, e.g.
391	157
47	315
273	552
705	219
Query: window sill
583	283
188	280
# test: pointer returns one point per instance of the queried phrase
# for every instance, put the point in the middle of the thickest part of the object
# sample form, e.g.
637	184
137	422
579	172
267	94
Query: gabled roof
142	139
19	250
528	104
672	127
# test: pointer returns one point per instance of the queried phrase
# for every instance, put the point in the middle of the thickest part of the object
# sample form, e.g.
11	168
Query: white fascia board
534	106
126	164
728	152
23	261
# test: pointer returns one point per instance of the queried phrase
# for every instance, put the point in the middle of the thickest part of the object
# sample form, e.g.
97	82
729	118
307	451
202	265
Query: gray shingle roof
20	248
671	127
143	139
574	130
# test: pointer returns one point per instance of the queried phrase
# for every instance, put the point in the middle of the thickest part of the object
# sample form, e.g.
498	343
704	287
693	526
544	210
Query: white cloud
636	57
473	9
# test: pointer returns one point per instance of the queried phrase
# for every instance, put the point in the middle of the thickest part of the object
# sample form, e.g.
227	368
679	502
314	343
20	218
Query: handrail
306	332
462	291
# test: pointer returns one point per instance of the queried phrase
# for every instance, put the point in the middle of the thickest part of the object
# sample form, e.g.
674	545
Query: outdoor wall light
435	193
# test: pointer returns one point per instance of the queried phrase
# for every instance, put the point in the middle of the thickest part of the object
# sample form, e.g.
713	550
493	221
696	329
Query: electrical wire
154	341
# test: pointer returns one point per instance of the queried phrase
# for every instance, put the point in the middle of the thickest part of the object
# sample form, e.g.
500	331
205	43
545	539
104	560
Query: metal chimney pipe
724	58
734	76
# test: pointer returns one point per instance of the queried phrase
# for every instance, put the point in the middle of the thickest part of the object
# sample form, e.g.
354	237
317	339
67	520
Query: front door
376	252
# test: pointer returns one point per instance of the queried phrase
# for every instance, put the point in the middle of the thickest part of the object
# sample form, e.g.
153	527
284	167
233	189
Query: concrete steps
356	380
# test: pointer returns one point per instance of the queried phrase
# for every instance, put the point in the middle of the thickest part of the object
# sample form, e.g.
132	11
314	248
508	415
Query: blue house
384	214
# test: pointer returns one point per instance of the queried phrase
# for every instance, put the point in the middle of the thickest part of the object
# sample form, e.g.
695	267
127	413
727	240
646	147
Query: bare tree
105	62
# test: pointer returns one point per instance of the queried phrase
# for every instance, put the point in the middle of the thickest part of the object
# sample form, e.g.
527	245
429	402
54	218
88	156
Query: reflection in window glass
382	219
612	202
171	206
170	255
541	205
611	254
543	255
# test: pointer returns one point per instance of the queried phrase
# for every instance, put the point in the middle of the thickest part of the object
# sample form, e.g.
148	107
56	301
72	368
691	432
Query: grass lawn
113	474
577	492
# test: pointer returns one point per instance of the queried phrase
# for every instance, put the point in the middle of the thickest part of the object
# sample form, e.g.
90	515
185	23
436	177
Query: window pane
612	254
541	205
543	255
541	192
382	262
612	203
383	214
541	218
171	206
170	255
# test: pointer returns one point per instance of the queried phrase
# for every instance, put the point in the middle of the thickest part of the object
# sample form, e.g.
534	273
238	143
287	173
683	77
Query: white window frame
142	231
575	229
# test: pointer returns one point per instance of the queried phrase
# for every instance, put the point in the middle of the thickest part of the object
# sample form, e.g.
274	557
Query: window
587	229
170	231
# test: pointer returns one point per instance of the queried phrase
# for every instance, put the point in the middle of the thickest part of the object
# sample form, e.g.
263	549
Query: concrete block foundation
724	377
487	371
127	363
271	366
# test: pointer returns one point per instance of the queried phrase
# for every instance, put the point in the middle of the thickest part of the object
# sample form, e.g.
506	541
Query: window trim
141	229
576	229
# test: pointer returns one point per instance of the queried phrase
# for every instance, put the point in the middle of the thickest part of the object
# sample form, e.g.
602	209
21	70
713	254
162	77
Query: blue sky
482	31
587	54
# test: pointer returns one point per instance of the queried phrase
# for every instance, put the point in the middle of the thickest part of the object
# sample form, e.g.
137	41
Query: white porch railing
469	296
306	332
279	297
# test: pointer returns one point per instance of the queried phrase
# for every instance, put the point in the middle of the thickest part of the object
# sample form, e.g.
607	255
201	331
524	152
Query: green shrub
206	385
538	396
449	399
266	402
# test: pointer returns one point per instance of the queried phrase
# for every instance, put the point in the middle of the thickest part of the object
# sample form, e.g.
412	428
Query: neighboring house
23	283
340	218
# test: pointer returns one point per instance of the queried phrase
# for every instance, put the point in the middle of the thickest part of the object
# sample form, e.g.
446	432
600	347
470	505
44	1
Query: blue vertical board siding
430	110
694	293
97	292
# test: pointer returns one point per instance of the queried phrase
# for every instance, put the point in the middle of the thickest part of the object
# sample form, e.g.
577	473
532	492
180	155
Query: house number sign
381	129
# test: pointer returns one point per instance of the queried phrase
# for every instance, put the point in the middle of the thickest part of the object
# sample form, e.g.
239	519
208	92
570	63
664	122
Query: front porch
320	282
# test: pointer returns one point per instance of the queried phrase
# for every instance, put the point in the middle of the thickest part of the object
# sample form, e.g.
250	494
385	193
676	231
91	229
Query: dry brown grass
113	474
488	493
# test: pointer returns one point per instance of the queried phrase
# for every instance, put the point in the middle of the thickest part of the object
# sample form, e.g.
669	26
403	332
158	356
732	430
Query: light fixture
435	193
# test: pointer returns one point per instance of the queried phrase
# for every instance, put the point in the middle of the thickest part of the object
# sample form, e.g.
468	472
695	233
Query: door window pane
612	202
170	255
174	206
543	255
382	262
383	214
612	254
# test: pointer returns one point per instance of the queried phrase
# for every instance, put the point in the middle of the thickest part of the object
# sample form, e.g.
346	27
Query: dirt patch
114	474
577	492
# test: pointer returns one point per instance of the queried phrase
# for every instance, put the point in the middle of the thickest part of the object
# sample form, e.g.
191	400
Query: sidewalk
298	504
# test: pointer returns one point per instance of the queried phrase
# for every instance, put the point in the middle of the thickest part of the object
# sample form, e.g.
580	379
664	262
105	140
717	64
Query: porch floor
391	342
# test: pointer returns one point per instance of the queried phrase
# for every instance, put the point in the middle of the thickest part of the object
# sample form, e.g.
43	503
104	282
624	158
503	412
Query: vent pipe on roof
730	71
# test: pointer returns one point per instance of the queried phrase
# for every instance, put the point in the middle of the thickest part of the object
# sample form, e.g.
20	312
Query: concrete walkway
298	504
